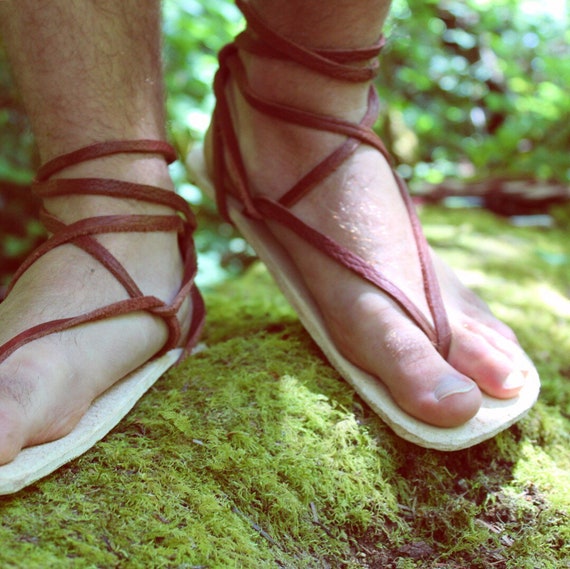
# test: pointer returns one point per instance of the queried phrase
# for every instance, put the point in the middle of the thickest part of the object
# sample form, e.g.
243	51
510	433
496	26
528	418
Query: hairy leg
360	207
88	72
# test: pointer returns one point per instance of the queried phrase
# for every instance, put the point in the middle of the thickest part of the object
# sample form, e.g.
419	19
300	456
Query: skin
360	208
81	87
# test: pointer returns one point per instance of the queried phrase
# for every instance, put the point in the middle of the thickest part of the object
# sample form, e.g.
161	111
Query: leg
88	72
360	207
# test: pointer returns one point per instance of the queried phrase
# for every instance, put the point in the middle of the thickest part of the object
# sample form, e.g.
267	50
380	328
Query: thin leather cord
107	148
82	232
430	281
226	146
333	161
266	41
115	189
95	249
274	211
230	176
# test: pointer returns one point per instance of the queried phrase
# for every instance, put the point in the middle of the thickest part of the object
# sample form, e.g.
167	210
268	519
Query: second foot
47	385
359	206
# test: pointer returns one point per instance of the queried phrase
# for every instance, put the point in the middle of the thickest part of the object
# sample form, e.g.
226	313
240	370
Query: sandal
109	408
228	186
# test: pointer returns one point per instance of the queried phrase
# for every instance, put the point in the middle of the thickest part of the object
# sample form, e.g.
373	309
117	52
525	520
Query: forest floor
255	454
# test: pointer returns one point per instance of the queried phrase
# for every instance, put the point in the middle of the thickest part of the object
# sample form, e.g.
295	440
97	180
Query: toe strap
230	178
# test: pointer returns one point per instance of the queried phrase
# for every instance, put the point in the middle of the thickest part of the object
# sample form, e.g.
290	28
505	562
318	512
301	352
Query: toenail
515	380
452	385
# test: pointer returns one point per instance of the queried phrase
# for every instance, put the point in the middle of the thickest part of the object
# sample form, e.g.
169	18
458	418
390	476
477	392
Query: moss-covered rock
254	453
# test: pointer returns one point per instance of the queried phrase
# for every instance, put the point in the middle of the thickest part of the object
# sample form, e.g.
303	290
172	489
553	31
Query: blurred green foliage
480	88
471	90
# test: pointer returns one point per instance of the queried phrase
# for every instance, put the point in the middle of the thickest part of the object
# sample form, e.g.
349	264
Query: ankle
149	170
291	84
338	25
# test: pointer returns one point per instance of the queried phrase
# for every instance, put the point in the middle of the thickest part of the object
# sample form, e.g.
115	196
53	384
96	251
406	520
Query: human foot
359	205
48	384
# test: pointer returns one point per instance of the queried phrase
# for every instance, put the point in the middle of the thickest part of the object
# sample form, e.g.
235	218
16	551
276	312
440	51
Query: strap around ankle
107	148
82	234
261	40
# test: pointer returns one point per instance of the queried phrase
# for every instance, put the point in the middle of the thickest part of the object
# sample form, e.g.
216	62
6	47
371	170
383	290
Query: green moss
254	453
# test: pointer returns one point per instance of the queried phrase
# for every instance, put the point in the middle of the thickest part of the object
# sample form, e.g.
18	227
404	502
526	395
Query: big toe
419	379
442	397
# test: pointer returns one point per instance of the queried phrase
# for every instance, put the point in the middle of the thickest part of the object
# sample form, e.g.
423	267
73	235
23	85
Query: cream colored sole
104	414
494	416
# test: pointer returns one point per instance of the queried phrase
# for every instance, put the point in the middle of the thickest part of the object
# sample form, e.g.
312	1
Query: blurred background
476	112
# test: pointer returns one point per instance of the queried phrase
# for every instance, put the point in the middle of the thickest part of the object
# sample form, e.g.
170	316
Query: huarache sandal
235	201
109	408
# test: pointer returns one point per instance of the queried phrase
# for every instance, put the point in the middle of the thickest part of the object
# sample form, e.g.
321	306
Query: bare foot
48	384
359	206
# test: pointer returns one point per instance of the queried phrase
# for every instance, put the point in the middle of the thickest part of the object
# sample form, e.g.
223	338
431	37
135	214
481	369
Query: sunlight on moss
254	453
550	477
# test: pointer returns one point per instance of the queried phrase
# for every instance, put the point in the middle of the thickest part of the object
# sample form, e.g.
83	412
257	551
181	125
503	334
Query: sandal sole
104	414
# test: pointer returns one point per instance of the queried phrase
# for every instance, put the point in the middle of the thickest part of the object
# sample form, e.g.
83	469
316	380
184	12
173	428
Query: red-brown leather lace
230	178
81	234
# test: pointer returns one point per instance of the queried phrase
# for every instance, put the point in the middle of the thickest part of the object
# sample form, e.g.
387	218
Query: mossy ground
255	454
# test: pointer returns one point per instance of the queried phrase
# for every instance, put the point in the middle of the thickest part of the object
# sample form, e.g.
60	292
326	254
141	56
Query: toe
419	379
427	387
494	361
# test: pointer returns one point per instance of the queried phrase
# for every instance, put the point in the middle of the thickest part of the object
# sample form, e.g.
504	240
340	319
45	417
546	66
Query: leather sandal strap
226	146
107	148
260	39
98	251
81	234
98	226
114	189
60	325
274	211
230	177
356	134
